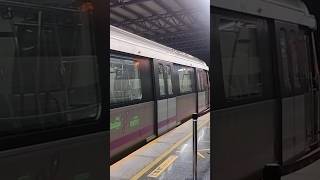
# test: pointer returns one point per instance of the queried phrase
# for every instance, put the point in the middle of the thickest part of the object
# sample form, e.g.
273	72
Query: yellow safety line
163	166
204	150
166	153
199	154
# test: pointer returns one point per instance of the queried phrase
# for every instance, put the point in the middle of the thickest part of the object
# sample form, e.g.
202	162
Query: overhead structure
180	24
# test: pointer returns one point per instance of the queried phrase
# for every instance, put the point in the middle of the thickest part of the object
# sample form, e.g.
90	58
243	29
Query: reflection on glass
240	59
125	82
48	68
185	79
169	82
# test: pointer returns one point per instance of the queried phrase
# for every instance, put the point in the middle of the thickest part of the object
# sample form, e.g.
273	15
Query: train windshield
48	65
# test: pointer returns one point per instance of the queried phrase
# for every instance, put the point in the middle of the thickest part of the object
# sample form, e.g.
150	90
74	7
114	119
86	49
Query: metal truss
159	22
177	29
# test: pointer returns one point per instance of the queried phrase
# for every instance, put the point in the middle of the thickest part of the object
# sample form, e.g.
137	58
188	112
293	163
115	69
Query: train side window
125	81
283	39
309	72
205	81
293	49
304	60
185	79
43	84
241	61
202	81
161	80
199	80
169	80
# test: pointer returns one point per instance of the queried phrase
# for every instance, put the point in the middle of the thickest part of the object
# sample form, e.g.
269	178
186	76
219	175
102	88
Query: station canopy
180	24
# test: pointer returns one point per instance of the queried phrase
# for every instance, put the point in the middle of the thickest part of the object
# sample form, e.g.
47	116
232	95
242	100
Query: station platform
168	156
310	172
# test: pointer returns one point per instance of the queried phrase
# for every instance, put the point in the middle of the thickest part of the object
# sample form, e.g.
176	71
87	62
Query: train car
266	84
52	111
153	88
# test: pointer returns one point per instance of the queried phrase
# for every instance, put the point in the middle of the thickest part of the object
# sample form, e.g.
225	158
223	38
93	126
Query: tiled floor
169	156
182	167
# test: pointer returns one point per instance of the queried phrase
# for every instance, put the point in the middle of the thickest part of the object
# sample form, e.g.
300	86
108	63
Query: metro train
153	88
266	85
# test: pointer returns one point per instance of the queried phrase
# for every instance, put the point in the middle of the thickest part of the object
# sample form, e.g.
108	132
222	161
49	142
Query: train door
296	92
131	103
208	89
304	51
314	86
203	90
166	101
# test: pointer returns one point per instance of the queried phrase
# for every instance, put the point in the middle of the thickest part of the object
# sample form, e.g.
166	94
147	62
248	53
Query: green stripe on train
115	123
135	121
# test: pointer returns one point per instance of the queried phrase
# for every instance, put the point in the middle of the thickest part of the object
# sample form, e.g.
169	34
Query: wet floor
178	164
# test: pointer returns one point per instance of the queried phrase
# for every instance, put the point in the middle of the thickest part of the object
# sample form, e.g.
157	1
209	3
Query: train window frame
305	34
304	81
145	75
288	89
137	72
162	85
203	84
157	63
292	40
22	139
313	69
264	33
199	81
168	69
193	80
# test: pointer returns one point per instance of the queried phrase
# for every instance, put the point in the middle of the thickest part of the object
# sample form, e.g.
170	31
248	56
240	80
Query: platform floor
169	156
310	172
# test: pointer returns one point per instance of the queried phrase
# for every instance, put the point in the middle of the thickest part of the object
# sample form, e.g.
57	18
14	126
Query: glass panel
200	80
48	65
125	82
207	88
304	60
285	60
169	82
240	57
185	79
293	49
161	80
205	81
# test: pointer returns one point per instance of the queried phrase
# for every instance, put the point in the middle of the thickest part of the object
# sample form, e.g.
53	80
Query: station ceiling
181	24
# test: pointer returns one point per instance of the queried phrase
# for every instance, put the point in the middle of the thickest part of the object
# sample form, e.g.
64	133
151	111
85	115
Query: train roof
121	40
294	11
